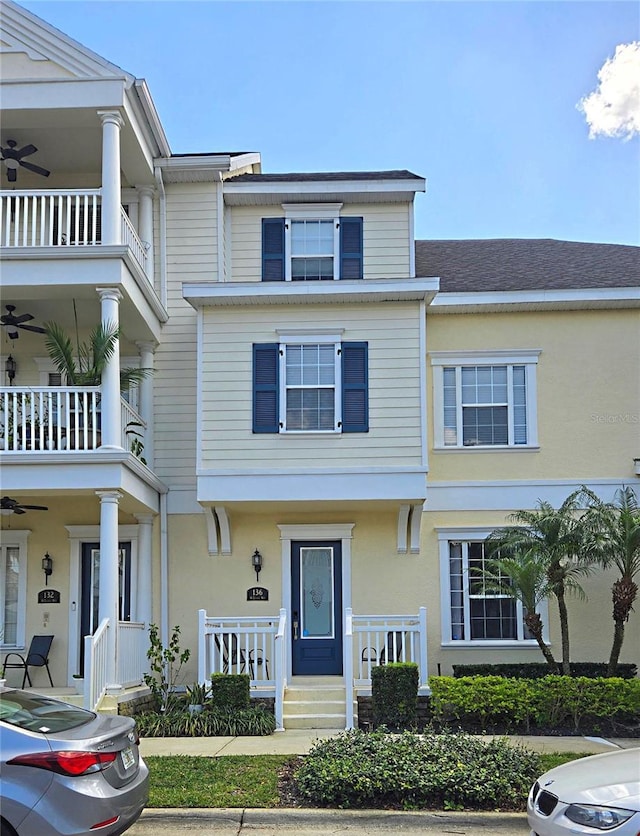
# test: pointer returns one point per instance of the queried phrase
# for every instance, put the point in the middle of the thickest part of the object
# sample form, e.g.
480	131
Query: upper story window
312	384
311	243
485	400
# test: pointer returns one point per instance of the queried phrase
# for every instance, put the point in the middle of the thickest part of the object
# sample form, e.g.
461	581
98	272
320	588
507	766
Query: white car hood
612	779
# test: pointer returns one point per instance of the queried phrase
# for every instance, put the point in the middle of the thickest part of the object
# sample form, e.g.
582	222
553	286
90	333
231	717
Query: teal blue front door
316	608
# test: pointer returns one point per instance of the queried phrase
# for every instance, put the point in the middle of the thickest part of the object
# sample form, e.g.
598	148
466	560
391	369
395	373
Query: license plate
128	758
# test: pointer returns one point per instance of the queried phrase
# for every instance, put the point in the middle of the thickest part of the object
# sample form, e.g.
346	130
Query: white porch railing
259	647
372	640
132	657
237	645
57	418
58	218
95	665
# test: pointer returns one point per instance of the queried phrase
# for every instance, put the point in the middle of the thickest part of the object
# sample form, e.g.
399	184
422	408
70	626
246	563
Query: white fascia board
151	118
536	297
314	486
245	160
513	495
206	294
303	187
73	93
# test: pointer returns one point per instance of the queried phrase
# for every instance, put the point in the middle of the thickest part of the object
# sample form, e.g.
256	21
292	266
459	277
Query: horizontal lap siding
393	440
191	256
386	242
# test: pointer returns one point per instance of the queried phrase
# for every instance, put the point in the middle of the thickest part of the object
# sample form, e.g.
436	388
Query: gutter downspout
164	572
163	237
222	276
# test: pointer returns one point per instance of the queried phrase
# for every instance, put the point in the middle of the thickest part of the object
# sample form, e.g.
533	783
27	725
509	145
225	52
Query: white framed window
485	399
13	588
472	612
310	395
312	242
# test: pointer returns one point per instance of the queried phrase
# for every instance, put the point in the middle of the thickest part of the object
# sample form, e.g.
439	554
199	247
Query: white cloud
613	109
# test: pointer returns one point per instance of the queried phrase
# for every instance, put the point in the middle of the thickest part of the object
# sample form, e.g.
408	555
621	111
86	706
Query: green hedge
394	692
537	670
549	703
409	771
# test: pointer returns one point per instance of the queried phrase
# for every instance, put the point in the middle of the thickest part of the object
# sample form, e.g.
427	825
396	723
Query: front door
90	589
316	608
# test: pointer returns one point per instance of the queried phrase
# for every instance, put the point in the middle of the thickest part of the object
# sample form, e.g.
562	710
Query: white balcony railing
132	657
96	665
61	218
59	418
237	645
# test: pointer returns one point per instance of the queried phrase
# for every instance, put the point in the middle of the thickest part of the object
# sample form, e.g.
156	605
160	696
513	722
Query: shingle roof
320	176
467	266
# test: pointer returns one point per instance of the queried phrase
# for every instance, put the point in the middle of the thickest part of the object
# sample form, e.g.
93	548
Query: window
13	588
483	400
472	611
307	248
318	384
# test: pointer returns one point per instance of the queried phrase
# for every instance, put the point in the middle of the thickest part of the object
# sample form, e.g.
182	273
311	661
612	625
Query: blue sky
478	97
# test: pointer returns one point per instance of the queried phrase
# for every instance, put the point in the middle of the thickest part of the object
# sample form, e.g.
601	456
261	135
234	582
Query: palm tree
523	576
617	528
85	365
558	540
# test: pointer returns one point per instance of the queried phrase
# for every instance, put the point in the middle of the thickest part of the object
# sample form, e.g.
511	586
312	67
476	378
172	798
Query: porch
60	419
65	218
261	648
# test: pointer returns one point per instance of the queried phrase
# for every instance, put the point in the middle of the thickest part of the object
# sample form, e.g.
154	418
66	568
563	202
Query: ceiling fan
12	157
13	506
13	322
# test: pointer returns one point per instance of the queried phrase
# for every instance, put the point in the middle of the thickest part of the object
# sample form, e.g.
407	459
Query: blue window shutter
355	386
273	249
265	388
351	248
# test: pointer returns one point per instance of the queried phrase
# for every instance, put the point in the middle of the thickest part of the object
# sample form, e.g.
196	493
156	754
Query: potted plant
196	697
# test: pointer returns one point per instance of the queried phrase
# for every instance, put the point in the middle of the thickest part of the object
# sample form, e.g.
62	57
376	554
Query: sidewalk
299	741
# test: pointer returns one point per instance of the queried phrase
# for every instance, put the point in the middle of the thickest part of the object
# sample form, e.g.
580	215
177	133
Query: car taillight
67	763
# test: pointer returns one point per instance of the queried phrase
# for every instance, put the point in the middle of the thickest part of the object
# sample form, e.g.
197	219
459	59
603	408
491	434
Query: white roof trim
536	299
203	294
324	186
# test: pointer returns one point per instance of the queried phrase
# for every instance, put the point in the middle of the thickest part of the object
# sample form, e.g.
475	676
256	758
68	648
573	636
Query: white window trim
313	339
509	358
311	212
12	537
468	535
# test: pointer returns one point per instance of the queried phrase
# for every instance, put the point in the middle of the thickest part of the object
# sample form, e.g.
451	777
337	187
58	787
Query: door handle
295	626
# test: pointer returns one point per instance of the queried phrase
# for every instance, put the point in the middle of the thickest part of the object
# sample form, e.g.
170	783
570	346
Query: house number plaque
49	596
257	593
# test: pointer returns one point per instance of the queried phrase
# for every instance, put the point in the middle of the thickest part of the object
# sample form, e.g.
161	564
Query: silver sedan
65	771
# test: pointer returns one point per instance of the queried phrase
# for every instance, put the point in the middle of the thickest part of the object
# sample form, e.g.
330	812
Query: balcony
40	419
62	218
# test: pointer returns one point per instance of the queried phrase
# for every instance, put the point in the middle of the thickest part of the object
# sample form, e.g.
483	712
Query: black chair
393	650
233	656
36	657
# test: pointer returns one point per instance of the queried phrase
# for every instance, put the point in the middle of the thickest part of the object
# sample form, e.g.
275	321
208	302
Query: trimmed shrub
485	702
230	690
394	692
409	771
537	670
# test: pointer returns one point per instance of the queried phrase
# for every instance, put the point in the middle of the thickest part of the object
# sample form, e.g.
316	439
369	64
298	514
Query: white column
111	413
112	122
109	578
145	225
145	389
144	604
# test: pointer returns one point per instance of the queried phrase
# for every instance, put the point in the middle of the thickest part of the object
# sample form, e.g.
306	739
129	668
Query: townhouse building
335	417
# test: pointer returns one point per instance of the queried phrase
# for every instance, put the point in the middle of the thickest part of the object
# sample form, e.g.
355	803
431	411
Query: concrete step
314	706
315	721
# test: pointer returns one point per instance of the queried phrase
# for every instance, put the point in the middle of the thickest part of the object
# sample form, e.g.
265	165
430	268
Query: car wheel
6	829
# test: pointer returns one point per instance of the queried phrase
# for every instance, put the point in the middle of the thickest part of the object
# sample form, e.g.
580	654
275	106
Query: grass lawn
238	781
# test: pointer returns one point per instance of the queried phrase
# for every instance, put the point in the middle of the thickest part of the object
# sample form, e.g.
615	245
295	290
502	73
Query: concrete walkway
299	741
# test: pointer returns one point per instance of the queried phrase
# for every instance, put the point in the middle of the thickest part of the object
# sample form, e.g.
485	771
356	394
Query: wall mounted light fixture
256	562
47	567
10	367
